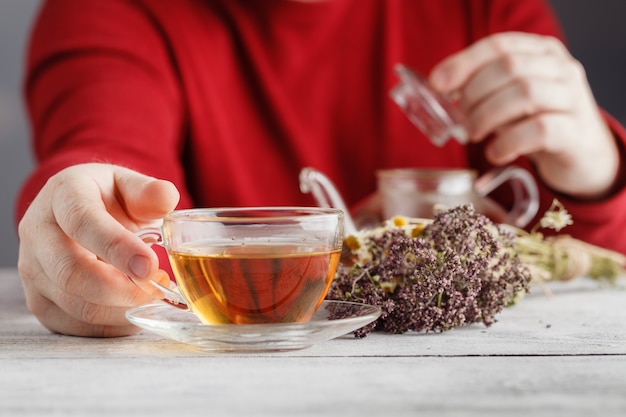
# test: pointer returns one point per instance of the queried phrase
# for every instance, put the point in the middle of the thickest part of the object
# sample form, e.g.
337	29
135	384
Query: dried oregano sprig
562	257
433	276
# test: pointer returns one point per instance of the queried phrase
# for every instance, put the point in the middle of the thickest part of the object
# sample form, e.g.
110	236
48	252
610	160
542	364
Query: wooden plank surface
563	355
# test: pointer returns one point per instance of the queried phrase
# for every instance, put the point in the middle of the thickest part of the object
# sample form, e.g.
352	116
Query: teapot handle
525	192
325	194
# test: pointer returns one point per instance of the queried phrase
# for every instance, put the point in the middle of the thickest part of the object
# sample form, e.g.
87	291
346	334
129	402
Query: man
225	101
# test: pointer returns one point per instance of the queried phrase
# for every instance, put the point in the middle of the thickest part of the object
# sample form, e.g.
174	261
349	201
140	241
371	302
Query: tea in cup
249	265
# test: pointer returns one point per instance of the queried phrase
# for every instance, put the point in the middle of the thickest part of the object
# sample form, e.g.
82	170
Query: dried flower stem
562	257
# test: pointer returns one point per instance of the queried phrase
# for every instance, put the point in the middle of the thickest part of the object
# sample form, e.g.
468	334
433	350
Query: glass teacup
249	265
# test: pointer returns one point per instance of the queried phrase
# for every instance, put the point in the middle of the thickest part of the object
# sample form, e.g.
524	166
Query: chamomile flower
556	217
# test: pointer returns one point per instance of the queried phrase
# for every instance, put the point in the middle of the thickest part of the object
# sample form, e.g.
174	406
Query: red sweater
229	99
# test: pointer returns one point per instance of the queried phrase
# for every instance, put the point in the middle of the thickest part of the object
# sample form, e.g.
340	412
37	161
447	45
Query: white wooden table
558	356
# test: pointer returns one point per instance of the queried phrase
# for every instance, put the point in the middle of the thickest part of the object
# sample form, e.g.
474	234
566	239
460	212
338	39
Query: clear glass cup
249	265
433	113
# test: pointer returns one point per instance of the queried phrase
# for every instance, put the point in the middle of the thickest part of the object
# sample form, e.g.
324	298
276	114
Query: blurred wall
596	34
15	159
595	30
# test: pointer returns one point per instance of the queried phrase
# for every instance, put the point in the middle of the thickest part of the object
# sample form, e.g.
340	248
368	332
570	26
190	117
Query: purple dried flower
460	269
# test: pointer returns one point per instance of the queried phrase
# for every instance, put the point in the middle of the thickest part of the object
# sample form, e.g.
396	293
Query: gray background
595	29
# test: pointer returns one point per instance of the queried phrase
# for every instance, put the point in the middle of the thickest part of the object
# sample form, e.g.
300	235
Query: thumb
146	198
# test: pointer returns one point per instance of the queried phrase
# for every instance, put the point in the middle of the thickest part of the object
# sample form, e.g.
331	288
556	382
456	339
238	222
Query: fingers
77	245
69	314
55	319
512	69
86	221
453	72
533	96
83	276
72	292
84	302
515	102
533	135
92	211
508	77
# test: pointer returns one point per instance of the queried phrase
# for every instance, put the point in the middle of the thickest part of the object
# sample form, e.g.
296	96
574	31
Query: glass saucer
184	326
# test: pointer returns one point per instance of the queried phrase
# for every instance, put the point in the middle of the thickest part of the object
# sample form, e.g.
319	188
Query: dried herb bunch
433	276
562	257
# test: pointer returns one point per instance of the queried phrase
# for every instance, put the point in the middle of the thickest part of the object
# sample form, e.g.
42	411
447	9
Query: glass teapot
414	192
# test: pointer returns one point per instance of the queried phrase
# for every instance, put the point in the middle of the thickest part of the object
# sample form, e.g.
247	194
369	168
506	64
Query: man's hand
77	244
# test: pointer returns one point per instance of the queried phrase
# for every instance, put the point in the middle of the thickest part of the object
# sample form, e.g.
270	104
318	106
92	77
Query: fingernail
139	266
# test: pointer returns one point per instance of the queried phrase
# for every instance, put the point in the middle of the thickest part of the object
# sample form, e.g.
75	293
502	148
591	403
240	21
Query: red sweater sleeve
603	222
129	115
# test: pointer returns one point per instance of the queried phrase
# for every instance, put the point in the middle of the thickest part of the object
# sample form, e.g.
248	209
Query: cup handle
525	192
152	236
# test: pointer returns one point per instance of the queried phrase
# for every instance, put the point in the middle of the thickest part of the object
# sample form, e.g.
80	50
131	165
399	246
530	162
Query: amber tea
254	283
247	265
